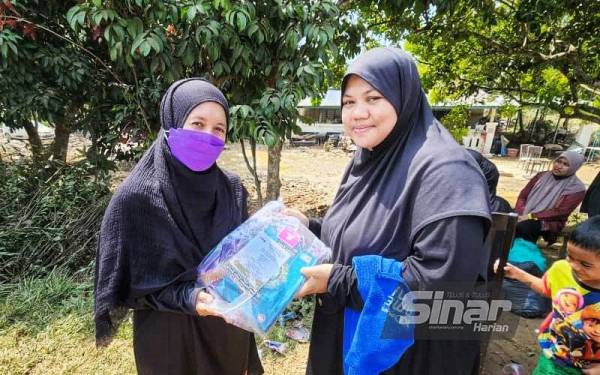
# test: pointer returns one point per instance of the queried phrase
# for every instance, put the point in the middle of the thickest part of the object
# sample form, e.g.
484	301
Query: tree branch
252	170
590	89
582	116
504	90
557	56
139	101
94	57
372	25
589	109
510	6
579	111
573	89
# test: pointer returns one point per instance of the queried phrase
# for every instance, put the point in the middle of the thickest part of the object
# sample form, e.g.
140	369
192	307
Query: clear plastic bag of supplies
254	272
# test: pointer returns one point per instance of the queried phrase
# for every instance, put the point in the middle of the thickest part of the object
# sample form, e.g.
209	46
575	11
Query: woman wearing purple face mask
173	208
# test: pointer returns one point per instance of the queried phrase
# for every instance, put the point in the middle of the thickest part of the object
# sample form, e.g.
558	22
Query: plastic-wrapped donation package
254	272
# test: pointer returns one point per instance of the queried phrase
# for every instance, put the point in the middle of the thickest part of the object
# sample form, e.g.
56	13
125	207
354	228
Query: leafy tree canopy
536	52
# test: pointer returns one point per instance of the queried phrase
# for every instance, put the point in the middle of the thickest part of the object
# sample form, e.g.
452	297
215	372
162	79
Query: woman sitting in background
546	202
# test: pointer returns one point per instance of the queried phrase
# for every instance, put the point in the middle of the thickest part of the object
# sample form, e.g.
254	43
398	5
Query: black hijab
416	176
164	218
591	202
492	176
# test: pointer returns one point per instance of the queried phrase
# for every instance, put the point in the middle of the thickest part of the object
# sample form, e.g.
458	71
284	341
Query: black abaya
161	222
169	343
451	250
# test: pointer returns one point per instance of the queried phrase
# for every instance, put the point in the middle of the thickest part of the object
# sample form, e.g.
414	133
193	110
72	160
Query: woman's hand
203	307
317	278
297	214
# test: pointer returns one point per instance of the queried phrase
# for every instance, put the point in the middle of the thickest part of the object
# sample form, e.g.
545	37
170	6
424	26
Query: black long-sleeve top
448	250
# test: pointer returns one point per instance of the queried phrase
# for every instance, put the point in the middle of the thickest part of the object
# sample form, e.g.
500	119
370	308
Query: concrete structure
480	137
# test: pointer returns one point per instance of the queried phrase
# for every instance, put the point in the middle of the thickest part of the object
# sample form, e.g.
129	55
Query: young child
570	335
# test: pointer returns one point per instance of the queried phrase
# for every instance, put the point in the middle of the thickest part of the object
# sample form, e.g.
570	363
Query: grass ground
46	327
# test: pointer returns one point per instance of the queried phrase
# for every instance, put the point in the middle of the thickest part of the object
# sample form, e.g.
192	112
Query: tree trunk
519	123
273	181
252	168
61	142
543	115
540	119
532	122
556	129
37	149
519	113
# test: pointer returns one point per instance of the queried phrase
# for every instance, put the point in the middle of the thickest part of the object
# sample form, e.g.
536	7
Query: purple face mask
196	150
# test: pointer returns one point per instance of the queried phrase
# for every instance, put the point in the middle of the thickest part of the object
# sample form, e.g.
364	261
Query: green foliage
535	52
553	84
35	303
47	75
49	219
315	101
304	308
457	122
439	94
265	56
508	111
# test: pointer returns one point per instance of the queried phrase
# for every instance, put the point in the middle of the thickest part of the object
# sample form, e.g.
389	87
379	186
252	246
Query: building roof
480	100
332	99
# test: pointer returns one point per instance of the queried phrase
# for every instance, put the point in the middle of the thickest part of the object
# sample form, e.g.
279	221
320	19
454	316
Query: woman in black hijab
491	174
173	208
412	194
591	202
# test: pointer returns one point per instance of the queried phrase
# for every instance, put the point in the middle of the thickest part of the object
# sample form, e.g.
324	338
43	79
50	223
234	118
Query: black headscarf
492	176
591	202
164	218
416	176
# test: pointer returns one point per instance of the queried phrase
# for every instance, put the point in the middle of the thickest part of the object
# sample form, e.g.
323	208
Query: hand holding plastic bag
254	272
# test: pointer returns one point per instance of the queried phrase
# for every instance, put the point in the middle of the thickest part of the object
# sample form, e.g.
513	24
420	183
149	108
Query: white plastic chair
523	153
534	159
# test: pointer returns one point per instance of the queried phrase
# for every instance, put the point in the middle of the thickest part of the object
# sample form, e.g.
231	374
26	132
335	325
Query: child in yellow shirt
570	336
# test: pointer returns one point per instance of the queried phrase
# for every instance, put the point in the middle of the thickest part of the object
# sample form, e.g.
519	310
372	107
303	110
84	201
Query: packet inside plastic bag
254	272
